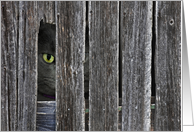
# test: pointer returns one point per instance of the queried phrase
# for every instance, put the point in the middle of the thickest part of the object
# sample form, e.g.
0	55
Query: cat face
46	61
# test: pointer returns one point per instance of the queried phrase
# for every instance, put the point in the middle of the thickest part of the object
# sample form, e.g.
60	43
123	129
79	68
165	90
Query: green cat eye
48	58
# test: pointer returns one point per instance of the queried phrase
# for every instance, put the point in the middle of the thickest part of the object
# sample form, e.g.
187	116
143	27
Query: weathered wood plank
103	65
46	119
70	56
27	65
19	65
168	66
135	38
9	44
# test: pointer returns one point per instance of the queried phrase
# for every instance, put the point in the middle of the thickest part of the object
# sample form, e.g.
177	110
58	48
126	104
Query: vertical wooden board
9	44
19	65
136	40
27	66
70	56
103	65
168	66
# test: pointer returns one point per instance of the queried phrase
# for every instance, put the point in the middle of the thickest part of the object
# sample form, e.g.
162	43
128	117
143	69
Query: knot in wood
171	22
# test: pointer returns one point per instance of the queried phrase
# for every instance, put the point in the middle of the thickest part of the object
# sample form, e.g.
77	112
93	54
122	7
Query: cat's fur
46	71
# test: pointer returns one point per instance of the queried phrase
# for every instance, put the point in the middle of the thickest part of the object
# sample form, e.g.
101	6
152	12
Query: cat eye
48	58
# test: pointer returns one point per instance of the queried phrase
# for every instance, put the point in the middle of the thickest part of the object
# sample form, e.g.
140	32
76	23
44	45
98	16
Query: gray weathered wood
19	27
27	65
135	38
46	11
9	44
168	66
45	120
19	65
70	56
103	65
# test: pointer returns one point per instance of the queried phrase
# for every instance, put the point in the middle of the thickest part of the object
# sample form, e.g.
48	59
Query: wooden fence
134	51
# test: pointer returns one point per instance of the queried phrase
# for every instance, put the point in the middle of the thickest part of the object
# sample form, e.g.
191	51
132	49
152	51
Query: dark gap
46	62
153	84
120	58
17	63
23	75
153	52
86	82
120	71
86	71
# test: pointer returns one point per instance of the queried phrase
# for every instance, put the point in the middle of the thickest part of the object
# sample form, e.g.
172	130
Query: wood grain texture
45	120
168	66
70	55
46	11
103	65
19	65
27	65
135	38
9	44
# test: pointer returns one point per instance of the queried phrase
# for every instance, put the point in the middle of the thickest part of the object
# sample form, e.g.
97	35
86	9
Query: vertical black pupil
48	56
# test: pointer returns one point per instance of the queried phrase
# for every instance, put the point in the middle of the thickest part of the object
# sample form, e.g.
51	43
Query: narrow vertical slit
46	62
86	64
120	72
86	71
46	78
17	69
153	85
120	59
153	51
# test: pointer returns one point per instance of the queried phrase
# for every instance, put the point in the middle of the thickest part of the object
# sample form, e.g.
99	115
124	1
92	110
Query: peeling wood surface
70	55
18	65
135	38
46	111
103	65
168	66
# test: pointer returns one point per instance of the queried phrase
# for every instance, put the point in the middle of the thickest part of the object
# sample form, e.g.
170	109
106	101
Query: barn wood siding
70	56
103	65
125	43
168	66
136	48
19	65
